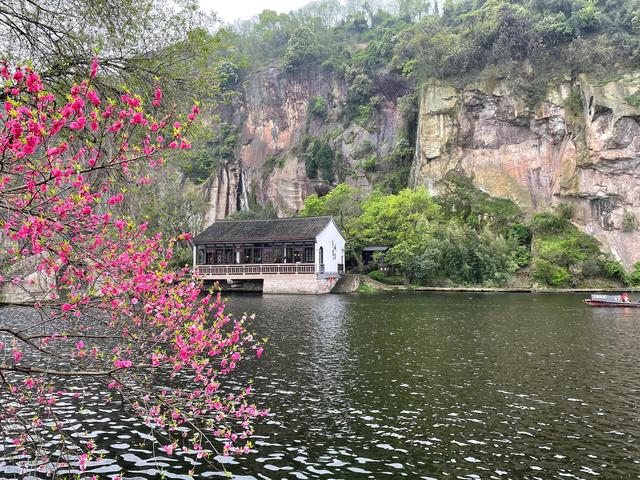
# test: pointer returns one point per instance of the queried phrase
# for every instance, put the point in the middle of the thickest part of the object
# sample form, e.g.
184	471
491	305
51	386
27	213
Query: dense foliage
141	44
565	257
465	237
528	42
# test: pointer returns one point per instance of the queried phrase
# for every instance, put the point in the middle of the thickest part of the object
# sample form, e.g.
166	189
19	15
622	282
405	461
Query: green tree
324	159
300	49
462	200
139	42
318	106
457	252
405	222
344	204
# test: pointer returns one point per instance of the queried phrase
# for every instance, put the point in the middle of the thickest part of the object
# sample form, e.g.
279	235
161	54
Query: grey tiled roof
276	229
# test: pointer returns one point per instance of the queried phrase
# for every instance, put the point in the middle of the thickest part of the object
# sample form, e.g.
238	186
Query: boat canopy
606	298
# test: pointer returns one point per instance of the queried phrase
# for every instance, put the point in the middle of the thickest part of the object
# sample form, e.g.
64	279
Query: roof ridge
269	219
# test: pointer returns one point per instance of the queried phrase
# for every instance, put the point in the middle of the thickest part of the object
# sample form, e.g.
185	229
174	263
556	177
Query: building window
288	255
228	255
267	255
321	255
219	260
257	255
308	255
248	255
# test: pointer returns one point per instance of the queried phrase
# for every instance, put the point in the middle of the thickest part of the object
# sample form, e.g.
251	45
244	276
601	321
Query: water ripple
419	386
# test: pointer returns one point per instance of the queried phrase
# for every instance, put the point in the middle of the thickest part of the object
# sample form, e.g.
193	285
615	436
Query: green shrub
310	167
364	149
377	275
548	223
592	267
318	156
549	273
269	165
369	165
393	280
360	90
318	106
394	181
633	100
462	200
588	18
634	278
324	160
364	288
614	270
554	29
573	103
522	256
363	115
564	251
629	222
566	211
520	233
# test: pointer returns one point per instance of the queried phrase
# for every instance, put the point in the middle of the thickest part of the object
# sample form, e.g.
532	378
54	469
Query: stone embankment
33	285
350	283
347	283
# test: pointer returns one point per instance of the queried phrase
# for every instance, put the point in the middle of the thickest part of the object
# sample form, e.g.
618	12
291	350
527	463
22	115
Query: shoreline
369	283
509	289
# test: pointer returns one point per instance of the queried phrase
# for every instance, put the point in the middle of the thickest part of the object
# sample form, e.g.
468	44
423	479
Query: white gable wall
332	243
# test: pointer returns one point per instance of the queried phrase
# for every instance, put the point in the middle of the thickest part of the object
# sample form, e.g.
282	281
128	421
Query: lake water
426	385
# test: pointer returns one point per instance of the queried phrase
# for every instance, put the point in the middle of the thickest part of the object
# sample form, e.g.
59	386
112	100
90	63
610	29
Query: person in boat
625	297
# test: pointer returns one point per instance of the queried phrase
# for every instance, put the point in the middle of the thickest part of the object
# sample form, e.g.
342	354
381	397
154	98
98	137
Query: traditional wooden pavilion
292	255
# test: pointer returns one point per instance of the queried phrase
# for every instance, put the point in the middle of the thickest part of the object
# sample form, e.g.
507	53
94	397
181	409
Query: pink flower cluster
125	314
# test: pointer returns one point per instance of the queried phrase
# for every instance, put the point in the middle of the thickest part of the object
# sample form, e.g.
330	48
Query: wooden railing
254	269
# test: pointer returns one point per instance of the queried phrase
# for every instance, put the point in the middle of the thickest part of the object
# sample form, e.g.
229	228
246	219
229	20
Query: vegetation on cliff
379	51
527	42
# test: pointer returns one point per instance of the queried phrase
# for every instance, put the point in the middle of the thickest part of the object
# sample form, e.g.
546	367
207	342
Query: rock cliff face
274	116
580	146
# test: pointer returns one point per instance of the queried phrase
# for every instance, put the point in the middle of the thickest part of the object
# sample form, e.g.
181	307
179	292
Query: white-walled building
289	255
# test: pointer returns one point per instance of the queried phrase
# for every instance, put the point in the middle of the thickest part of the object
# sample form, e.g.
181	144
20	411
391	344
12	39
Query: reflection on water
424	386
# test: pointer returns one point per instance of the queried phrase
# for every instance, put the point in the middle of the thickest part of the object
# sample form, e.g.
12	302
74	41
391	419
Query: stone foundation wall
297	284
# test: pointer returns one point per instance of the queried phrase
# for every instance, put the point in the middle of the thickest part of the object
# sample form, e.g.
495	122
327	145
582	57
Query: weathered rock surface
274	116
539	156
544	155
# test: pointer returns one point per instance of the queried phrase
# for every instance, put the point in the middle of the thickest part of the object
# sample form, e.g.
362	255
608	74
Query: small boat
598	300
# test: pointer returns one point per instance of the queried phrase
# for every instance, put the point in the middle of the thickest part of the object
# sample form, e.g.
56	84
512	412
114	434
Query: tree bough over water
110	311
